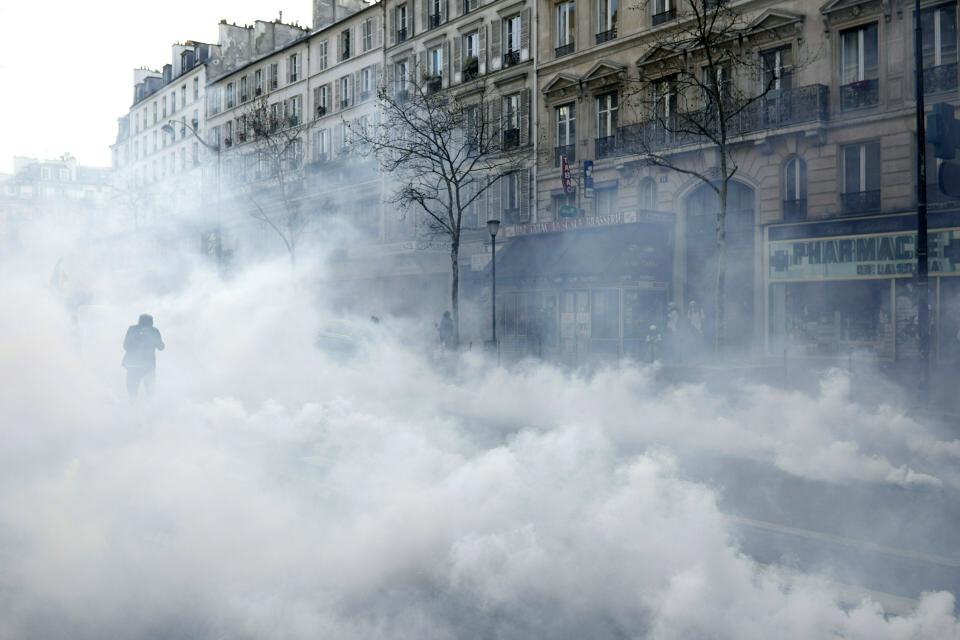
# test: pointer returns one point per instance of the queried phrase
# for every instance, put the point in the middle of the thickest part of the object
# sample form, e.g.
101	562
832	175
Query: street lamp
493	226
169	128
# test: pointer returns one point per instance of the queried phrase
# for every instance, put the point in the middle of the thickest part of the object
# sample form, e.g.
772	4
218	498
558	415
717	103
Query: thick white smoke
274	490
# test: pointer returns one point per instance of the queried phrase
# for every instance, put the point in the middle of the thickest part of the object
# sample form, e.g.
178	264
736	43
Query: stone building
823	191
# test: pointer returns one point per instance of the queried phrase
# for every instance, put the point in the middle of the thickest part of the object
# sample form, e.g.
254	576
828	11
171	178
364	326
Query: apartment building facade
823	191
156	167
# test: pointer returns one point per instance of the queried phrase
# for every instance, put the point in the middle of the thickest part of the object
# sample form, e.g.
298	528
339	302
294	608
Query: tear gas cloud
270	489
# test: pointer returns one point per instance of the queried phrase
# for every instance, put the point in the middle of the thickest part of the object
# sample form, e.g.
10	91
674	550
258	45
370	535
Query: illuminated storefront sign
863	256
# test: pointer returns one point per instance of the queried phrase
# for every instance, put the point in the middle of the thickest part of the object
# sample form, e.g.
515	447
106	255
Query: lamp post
493	226
169	128
923	287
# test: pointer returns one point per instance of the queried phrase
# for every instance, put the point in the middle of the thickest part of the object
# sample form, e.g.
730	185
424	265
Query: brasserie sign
864	256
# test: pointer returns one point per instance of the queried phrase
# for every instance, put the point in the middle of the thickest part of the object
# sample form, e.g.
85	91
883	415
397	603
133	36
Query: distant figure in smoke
653	343
695	316
445	330
139	358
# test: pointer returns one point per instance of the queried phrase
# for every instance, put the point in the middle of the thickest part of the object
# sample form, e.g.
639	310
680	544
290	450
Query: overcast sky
66	68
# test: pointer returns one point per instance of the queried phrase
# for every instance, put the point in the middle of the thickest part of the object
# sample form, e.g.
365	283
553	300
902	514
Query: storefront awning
632	251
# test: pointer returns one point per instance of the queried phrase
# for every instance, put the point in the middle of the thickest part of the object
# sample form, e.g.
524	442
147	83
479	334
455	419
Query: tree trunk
720	300
455	289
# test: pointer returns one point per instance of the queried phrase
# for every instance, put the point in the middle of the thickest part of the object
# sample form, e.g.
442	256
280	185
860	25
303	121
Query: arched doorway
701	259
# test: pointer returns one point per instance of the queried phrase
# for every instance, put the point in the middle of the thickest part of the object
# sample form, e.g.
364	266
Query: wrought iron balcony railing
401	35
663	16
858	202
860	95
563	50
511	58
434	20
606	147
568	150
511	138
940	79
606	36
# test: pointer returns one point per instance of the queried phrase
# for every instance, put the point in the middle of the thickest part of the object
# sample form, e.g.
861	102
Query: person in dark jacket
140	346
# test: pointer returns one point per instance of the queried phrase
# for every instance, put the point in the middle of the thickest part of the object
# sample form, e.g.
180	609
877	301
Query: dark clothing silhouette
140	346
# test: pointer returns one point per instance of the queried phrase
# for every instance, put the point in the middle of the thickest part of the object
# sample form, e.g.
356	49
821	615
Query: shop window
832	318
859	68
861	178
605	314
794	189
939	26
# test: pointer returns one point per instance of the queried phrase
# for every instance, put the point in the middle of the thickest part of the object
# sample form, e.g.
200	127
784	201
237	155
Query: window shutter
336	96
339	48
389	80
377	77
525	117
377	32
446	63
420	69
355	78
392	26
495	123
496	55
493	199
337	136
525	195
525	19
482	58
457	64
425	14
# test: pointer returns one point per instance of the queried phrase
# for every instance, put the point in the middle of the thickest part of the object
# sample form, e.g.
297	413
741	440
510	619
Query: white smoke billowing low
271	489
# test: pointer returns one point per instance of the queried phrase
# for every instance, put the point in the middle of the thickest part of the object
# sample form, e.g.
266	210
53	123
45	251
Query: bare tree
278	134
443	150
702	85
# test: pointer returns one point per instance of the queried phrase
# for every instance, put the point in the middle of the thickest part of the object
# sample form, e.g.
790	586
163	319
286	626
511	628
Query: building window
294	110
436	62
566	28
861	177
566	139
230	95
401	20
258	82
648	195
366	83
322	56
321	100
939	26
344	92
183	96
366	40
273	75
164	106
606	20
436	13
663	11
859	83
511	121
471	54
511	33
777	69
401	75
605	201
794	189
196	88
293	68
607	109
321	145
345	44
154	112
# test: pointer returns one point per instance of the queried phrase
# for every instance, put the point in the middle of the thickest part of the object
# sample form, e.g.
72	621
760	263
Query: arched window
794	189
648	195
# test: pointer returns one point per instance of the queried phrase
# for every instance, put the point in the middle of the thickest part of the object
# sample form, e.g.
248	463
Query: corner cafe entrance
836	287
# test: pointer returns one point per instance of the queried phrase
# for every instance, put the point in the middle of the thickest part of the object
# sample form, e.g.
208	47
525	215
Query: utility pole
923	287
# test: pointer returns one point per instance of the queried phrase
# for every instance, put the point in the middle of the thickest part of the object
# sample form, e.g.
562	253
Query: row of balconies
777	109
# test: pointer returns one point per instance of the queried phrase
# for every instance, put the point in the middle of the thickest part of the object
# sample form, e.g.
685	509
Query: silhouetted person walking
139	358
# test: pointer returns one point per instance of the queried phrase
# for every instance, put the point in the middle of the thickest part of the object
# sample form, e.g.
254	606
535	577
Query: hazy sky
66	67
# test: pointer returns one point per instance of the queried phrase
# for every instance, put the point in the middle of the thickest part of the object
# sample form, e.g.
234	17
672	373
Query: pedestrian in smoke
653	343
139	359
445	331
695	316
